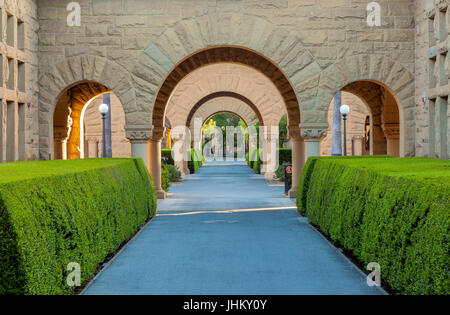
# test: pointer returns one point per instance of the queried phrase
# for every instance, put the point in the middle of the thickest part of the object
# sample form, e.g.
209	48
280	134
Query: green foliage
167	155
174	173
165	178
386	210
284	156
56	212
196	161
257	164
252	157
279	173
283	132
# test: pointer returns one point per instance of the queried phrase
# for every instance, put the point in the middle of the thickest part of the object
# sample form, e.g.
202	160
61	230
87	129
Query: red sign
289	169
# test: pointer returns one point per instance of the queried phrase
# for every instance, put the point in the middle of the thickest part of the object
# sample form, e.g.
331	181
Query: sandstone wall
19	130
432	78
321	45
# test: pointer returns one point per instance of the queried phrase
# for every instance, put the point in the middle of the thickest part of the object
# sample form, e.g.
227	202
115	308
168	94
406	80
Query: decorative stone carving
392	131
313	133
295	133
136	134
158	133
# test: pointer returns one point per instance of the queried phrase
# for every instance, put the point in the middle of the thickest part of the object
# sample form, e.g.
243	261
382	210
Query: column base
161	194
292	193
269	175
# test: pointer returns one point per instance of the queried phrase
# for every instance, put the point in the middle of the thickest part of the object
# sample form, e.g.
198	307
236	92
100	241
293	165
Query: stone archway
103	75
388	89
242	106
228	55
67	118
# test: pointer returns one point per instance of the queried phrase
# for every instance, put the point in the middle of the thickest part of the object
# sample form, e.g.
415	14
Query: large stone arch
371	70
225	102
239	38
81	69
189	37
224	79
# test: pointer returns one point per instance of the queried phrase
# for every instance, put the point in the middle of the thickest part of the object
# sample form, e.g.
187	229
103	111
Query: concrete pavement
194	247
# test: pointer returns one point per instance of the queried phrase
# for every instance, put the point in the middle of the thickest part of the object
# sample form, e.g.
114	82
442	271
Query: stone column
60	136
357	145
92	143
181	146
149	151
336	149
312	135
269	157
154	157
297	158
392	132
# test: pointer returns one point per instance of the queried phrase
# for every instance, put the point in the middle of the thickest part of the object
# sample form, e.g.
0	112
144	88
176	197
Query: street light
345	109
103	109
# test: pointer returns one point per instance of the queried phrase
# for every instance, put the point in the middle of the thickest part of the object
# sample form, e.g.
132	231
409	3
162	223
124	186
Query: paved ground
190	249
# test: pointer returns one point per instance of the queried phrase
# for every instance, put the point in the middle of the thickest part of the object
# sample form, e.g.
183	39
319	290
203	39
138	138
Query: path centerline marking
229	211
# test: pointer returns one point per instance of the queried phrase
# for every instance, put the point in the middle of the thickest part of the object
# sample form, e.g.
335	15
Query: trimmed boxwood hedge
196	161
386	210
56	212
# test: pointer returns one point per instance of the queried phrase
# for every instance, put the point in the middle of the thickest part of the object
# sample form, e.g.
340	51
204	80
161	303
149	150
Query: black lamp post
103	109
345	109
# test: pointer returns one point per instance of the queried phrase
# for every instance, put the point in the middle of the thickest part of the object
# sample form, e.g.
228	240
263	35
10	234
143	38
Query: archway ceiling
226	55
226	79
223	104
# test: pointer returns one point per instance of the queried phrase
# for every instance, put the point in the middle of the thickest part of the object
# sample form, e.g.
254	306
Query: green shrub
167	155
174	173
257	164
279	173
386	210
196	161
284	156
165	177
252	156
56	212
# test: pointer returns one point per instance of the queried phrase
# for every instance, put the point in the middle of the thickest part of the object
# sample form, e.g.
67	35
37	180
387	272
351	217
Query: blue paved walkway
190	249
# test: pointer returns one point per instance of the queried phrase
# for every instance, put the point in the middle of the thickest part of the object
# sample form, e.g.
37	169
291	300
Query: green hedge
251	157
386	210
56	212
167	154
196	161
165	178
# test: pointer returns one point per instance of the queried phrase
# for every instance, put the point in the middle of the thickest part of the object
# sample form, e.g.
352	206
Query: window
10	83
10	132
21	131
10	30
20	35
21	76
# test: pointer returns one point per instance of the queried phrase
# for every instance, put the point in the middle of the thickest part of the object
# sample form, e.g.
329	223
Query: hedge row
386	210
53	213
196	161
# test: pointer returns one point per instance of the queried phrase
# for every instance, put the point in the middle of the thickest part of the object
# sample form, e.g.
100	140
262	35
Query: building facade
141	50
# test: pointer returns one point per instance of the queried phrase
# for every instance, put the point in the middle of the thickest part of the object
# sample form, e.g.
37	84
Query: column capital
158	133
93	138
61	133
295	133
313	132
392	131
138	133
